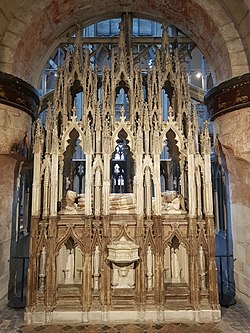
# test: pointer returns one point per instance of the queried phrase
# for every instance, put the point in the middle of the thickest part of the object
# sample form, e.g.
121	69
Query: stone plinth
170	316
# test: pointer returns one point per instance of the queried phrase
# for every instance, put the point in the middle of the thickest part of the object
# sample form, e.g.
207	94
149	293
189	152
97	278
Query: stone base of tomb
121	316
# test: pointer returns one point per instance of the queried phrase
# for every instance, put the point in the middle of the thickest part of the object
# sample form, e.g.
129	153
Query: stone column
229	107
18	102
88	184
157	182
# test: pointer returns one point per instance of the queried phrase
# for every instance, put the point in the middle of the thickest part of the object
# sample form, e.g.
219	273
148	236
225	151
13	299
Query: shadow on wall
224	240
19	250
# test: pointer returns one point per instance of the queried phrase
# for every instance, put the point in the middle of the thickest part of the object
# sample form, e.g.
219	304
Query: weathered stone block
6	54
3	23
235	46
237	12
239	70
229	33
240	252
244	25
238	58
10	39
16	26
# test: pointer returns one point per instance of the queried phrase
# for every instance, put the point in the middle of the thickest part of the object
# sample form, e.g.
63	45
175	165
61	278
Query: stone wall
13	126
32	34
7	167
232	132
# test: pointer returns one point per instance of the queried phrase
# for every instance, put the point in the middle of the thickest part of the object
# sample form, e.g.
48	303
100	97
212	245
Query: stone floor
234	319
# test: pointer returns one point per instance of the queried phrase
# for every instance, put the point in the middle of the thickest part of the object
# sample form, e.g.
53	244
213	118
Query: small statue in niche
175	266
67	182
69	267
150	267
203	271
71	197
175	259
96	267
42	269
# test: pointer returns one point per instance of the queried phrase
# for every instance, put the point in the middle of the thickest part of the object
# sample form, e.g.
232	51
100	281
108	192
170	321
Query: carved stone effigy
122	233
172	202
70	200
81	201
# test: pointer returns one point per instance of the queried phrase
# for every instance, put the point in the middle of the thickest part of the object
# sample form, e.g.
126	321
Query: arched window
74	165
122	166
170	168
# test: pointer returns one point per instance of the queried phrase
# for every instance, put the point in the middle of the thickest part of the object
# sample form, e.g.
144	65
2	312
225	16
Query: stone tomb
122	214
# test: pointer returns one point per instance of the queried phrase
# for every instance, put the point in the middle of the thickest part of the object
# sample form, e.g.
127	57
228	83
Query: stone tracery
122	195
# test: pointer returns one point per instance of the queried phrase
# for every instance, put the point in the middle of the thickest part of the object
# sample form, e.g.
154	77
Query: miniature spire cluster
122	195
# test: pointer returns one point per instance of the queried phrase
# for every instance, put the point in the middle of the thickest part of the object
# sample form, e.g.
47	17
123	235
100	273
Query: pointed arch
123	233
176	233
66	135
69	233
149	239
122	80
179	137
41	242
202	239
123	126
96	240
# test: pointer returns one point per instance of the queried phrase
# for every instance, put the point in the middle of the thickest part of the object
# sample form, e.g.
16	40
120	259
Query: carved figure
175	266
203	271
172	201
174	205
70	200
150	267
96	264
43	261
42	270
69	268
